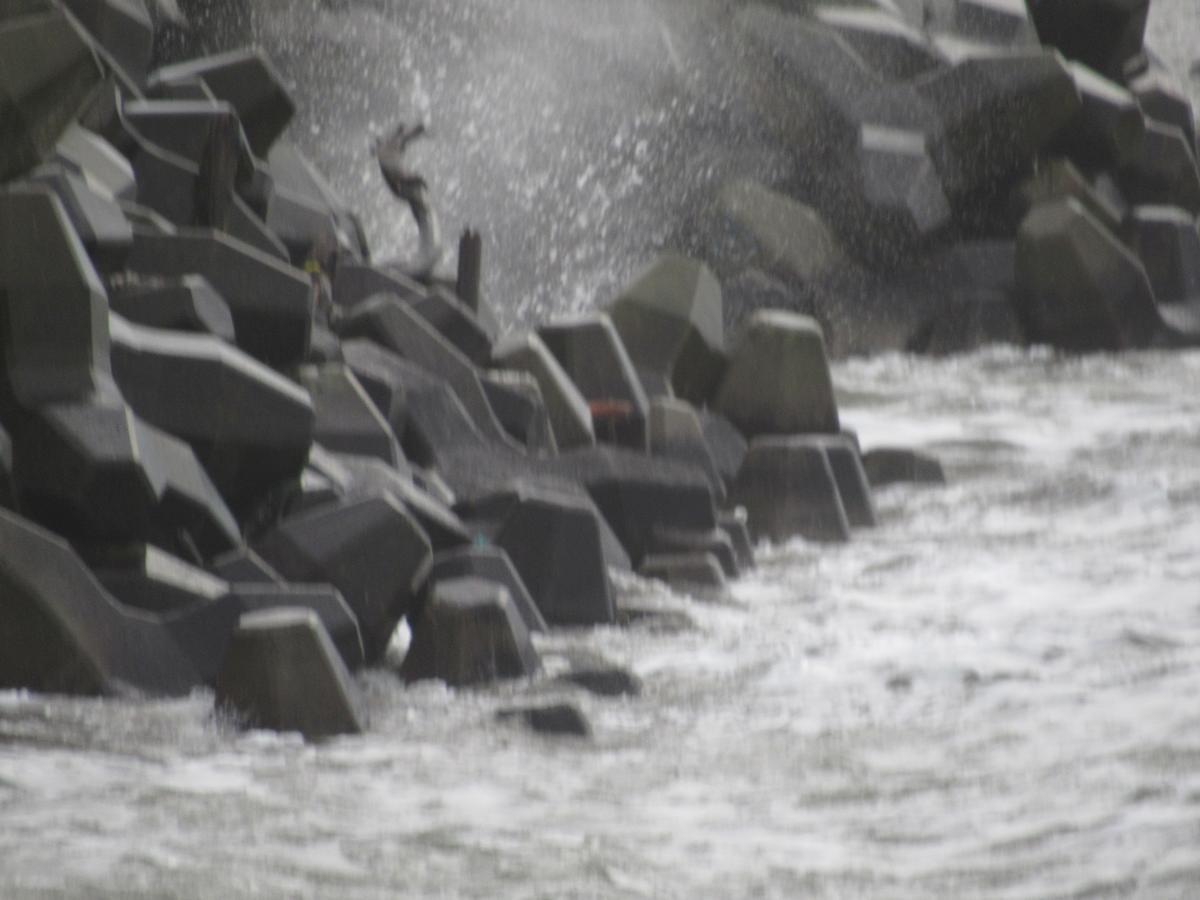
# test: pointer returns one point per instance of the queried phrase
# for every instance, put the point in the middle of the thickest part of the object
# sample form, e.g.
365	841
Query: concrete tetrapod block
372	478
812	90
714	542
122	28
733	523
788	488
592	354
458	323
554	542
1108	131
1005	22
98	220
1162	98
897	199
355	282
177	304
248	81
684	571
189	128
637	494
1058	178
98	161
1167	241
490	564
47	73
1103	34
55	328
395	326
1078	287
61	632
566	407
892	48
307	229
469	633
432	416
790	236
517	402
676	433
202	611
291	171
778	379
853	487
725	443
896	465
250	426
672	322
346	419
244	566
1164	169
996	111
271	302
371	550
283	674
92	469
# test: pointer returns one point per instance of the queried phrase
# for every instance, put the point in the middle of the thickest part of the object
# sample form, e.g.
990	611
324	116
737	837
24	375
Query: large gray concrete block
845	461
292	172
637	494
203	610
47	73
98	161
434	418
591	352
469	633
675	433
1167	241
355	282
489	563
371	550
396	326
1103	34
55	327
1161	97
554	542
248	81
177	304
1004	22
1108	131
92	469
1163	171
714	542
468	331
271	302
684	571
346	419
788	488
566	407
283	674
122	28
97	219
778	379
1059	178
996	111
725	443
367	477
671	320
517	402
250	426
61	632
1078	287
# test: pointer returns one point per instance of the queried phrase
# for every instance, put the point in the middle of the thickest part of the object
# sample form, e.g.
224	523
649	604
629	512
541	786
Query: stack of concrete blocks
236	453
969	171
